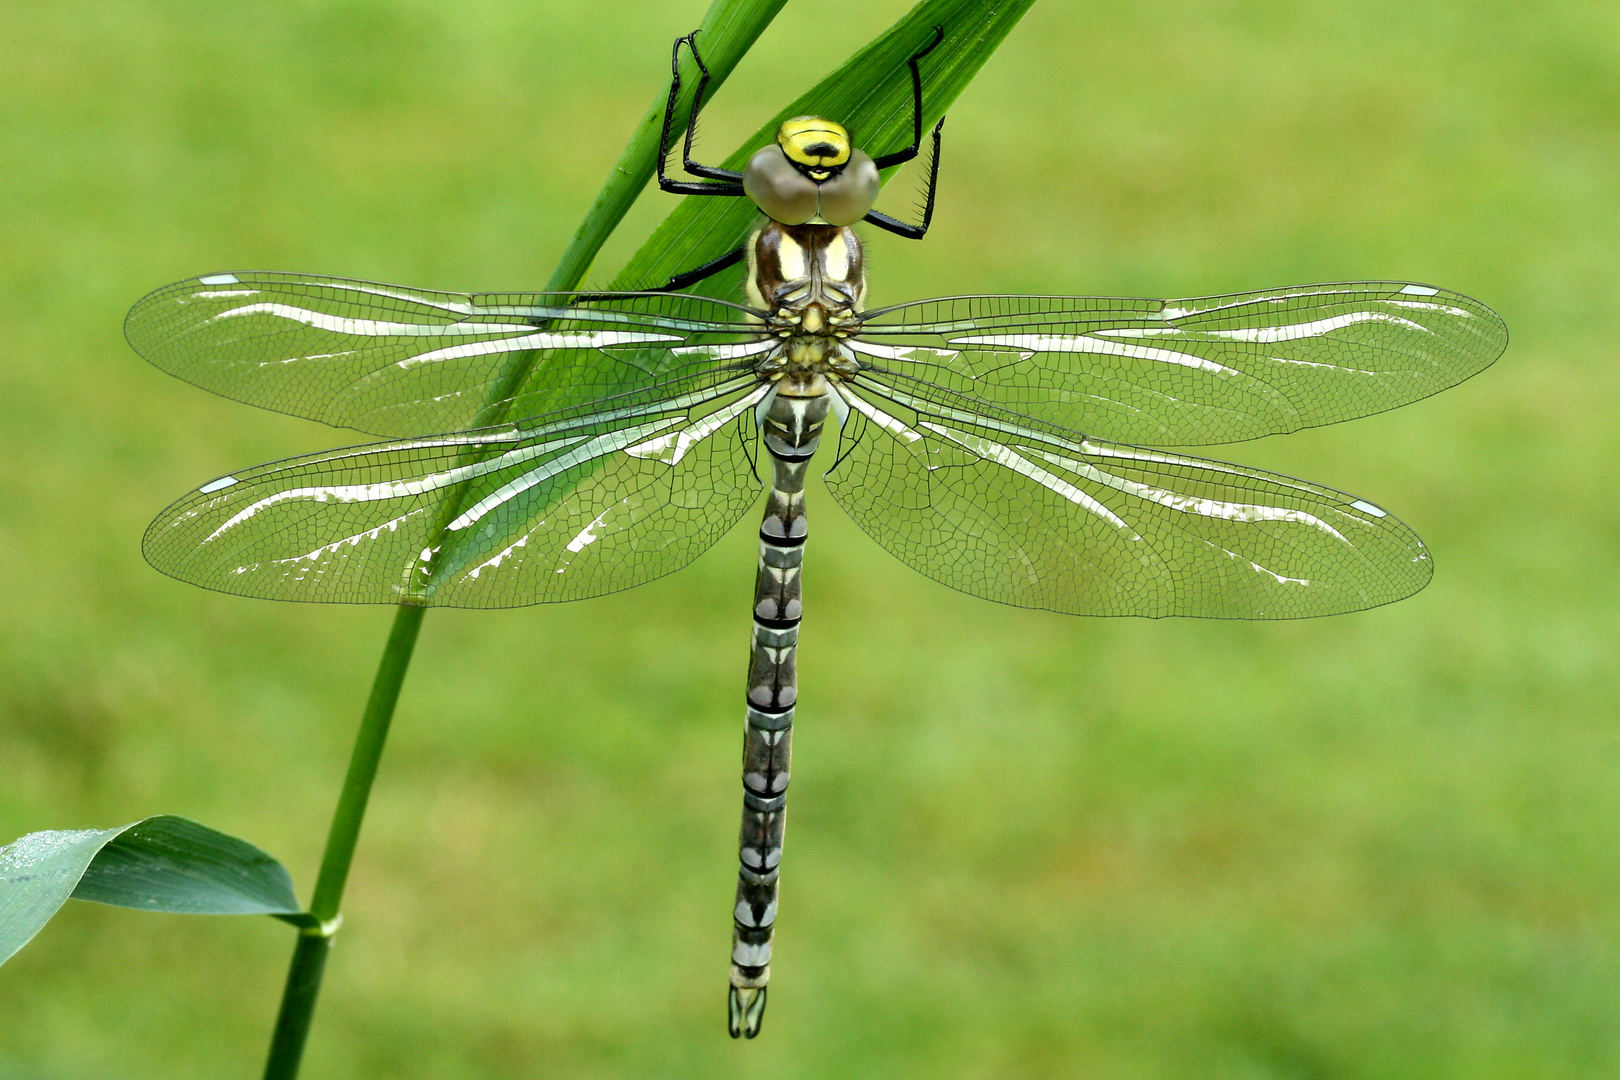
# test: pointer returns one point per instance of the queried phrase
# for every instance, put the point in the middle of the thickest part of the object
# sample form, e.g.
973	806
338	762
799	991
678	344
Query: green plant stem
730	28
309	958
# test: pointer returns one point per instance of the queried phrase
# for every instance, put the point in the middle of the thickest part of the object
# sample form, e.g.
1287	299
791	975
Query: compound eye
777	188
847	197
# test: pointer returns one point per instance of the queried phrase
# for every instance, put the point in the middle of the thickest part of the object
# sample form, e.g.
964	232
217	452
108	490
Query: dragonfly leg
730	181
900	157
901	228
792	429
698	273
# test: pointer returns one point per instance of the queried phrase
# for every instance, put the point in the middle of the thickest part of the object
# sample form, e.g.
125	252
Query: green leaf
163	863
173	864
870	95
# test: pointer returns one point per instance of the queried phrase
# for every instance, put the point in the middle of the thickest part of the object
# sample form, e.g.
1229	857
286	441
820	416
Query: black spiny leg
708	172
722	181
696	274
900	157
900	228
730	182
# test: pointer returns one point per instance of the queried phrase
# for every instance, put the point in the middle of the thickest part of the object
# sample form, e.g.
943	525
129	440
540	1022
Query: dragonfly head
812	175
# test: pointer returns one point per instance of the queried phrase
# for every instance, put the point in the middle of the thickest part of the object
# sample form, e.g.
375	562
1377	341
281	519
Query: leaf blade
162	863
174	864
38	873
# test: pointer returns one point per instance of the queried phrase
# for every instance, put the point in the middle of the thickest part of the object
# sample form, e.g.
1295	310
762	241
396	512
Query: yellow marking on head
812	141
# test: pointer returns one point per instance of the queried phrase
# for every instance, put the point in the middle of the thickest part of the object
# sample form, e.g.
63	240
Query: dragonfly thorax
811	280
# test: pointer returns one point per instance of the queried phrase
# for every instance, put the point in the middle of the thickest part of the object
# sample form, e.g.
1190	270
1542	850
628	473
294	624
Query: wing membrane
1192	372
1023	513
575	505
406	362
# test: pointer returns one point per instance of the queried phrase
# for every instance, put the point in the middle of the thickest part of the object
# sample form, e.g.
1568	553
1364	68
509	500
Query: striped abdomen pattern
791	428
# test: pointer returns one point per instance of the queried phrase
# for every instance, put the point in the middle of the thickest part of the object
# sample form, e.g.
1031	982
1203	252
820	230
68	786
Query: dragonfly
546	447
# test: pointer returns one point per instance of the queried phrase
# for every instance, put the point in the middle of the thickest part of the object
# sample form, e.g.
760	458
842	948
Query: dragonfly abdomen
792	428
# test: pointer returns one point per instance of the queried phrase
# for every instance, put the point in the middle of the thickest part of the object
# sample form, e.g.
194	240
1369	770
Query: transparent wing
1024	513
403	362
1191	372
573	505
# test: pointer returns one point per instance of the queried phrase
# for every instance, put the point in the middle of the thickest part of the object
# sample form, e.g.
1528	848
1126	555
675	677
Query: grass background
1383	845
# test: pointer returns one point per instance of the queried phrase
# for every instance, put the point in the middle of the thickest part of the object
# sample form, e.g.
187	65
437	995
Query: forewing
578	505
1025	514
1191	372
405	362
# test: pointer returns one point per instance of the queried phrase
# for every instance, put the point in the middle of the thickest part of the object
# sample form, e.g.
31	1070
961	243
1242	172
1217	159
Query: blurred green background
1381	845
